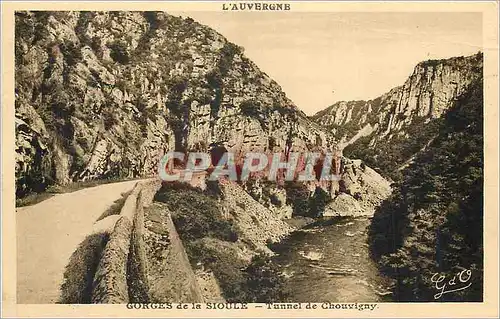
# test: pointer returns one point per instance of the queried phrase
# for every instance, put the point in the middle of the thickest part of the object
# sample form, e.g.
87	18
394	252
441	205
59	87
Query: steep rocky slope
358	193
433	221
105	94
387	131
225	231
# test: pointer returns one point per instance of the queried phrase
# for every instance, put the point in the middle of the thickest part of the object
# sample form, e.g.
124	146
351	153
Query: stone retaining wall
112	279
122	274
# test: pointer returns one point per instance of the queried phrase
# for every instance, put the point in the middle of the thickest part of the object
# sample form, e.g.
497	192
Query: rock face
359	192
379	131
434	220
106	94
271	196
256	223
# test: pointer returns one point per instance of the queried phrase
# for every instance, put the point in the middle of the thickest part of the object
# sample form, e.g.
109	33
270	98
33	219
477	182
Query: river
329	261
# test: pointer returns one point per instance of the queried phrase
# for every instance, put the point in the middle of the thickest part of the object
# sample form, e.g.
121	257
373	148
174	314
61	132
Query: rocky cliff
433	221
358	193
105	94
387	131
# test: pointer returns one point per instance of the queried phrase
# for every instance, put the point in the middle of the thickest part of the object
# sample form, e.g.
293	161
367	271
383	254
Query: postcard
250	159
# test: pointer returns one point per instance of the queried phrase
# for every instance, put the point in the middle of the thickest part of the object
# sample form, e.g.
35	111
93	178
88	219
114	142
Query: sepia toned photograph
250	156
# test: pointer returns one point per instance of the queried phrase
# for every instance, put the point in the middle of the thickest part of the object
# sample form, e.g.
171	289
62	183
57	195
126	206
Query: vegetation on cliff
104	94
388	157
433	221
388	131
214	241
303	202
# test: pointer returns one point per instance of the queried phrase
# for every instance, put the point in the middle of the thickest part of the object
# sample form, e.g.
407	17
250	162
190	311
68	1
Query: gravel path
50	231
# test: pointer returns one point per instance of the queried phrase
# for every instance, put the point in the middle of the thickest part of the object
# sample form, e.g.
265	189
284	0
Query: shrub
109	118
264	281
119	52
250	108
226	56
71	53
318	202
297	195
154	20
240	281
84	19
195	214
227	268
214	79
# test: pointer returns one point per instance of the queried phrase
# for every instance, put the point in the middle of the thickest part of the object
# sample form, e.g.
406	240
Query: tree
433	221
318	202
265	282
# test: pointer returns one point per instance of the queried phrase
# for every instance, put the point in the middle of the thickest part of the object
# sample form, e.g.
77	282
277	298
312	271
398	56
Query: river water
329	261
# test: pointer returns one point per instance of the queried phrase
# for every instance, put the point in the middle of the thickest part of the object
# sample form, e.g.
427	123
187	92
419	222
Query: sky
321	58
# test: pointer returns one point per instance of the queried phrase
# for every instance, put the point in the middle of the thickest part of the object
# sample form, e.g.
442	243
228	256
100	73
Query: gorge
104	95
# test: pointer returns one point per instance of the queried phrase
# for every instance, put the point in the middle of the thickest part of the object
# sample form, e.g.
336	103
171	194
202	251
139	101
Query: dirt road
50	231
